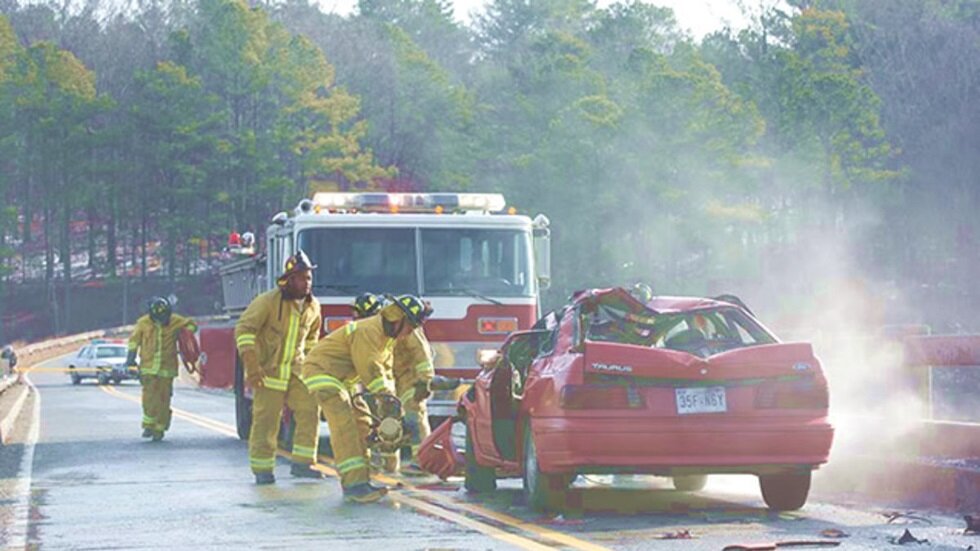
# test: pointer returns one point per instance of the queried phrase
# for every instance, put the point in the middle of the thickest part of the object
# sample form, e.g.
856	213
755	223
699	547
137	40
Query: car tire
785	492
690	482
477	477
243	405
75	379
543	491
103	380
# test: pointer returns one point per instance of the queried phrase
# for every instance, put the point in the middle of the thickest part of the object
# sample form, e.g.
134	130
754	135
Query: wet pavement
97	485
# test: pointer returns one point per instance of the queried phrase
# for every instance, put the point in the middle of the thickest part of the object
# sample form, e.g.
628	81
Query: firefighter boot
261	479
157	436
364	493
147	433
390	462
302	470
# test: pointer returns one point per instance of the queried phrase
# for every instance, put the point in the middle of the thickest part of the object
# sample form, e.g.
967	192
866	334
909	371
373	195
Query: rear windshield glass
701	332
110	352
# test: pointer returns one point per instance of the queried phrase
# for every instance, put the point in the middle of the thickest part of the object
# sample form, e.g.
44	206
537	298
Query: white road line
22	491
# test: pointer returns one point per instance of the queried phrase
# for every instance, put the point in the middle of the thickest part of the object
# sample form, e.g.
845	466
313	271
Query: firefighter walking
362	348
155	340
413	372
273	336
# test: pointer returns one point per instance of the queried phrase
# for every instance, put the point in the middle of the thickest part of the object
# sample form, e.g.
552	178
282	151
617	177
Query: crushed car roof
659	304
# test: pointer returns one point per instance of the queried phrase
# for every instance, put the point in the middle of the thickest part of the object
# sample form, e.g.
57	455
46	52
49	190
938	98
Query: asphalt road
95	484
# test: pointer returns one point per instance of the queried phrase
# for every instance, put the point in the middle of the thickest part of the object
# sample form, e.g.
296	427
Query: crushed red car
677	387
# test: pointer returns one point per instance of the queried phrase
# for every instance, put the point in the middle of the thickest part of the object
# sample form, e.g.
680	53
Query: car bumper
590	445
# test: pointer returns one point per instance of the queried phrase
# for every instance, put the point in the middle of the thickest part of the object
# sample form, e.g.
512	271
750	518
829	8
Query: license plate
701	400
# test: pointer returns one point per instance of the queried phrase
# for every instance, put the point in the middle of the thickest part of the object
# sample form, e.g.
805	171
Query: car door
82	360
497	397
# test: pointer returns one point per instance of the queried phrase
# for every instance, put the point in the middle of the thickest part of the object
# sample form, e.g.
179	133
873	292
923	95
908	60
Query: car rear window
110	352
701	332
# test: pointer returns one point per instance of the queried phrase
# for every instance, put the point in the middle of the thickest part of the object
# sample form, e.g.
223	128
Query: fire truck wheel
544	491
243	404
286	430
478	478
785	492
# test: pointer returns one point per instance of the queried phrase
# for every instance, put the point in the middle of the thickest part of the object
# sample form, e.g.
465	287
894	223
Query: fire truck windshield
455	261
474	262
351	261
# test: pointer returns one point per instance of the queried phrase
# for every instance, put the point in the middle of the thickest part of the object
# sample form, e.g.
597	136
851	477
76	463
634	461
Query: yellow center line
503	518
420	505
187	416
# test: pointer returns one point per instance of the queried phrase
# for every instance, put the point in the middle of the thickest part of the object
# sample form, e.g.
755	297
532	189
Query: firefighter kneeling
413	373
363	349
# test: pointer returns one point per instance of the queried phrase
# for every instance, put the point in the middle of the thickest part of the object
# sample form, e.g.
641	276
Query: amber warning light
332	324
496	326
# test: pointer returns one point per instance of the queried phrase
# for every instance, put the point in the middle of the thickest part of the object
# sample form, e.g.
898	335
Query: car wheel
478	478
543	491
785	492
103	380
690	482
75	379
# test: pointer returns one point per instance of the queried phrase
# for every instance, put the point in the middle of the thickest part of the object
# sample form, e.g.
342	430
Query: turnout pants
263	439
156	402
417	421
349	448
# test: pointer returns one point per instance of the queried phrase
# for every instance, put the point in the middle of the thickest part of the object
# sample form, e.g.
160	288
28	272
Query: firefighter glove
131	359
253	373
422	391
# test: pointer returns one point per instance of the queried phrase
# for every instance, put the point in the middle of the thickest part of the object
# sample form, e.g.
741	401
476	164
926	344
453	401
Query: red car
677	387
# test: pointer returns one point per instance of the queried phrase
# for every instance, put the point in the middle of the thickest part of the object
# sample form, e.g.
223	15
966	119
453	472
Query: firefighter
413	373
11	357
362	348
273	337
155	340
642	292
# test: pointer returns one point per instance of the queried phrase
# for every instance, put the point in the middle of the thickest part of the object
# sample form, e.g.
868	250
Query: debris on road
893	516
834	533
799	544
678	535
905	538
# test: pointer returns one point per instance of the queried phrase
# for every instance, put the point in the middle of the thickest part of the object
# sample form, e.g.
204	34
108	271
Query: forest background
822	159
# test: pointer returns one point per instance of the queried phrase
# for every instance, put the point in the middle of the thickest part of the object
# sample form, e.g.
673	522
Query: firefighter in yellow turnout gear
155	340
413	372
273	337
362	348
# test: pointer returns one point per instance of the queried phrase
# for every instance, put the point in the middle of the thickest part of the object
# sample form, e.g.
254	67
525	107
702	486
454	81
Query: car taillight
496	326
807	393
601	397
332	324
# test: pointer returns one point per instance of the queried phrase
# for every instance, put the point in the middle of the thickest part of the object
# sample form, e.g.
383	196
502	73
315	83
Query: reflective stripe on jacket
359	349
157	344
412	363
282	332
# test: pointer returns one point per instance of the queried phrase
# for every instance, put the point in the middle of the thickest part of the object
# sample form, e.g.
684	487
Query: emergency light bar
409	202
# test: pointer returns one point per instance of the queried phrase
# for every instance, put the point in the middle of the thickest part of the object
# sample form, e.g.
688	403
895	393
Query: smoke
824	291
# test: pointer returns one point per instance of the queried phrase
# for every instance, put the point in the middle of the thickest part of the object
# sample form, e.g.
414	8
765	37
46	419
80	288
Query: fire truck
477	261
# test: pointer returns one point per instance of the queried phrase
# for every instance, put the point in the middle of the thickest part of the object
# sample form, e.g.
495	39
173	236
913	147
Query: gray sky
698	16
